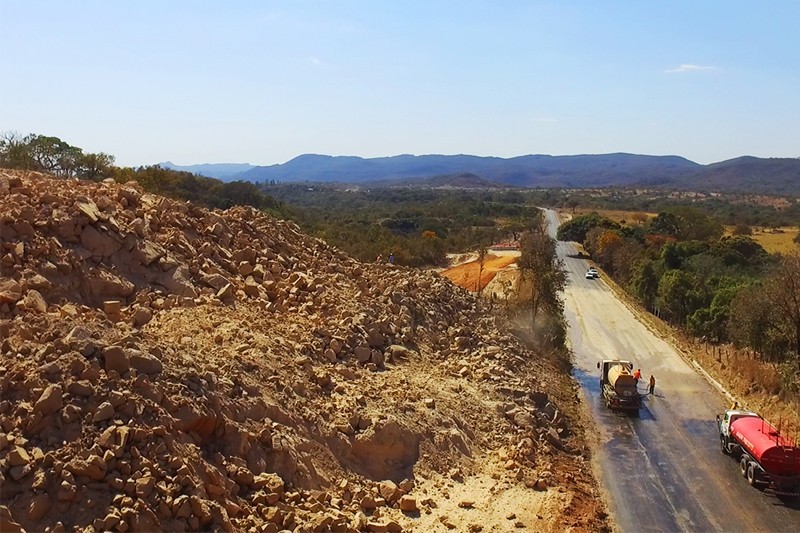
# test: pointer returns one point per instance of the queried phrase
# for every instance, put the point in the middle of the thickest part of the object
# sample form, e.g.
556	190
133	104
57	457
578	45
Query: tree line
419	226
681	267
50	154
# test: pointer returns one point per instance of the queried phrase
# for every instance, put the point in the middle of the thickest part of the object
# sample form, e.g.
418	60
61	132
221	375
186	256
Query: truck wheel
743	465
752	474
723	445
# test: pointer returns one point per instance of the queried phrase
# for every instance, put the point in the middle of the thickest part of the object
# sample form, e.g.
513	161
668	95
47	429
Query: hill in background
222	171
774	176
523	171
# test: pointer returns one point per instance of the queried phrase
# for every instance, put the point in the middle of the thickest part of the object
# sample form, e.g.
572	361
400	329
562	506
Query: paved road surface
664	470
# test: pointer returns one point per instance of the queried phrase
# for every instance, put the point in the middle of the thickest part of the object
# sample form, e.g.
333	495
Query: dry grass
779	241
756	384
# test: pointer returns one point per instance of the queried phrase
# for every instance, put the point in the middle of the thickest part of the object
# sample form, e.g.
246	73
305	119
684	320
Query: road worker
652	384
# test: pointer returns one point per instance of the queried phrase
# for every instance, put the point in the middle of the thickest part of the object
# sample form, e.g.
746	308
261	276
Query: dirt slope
470	276
166	367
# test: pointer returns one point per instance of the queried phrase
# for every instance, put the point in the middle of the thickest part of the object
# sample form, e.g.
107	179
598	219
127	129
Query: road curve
664	470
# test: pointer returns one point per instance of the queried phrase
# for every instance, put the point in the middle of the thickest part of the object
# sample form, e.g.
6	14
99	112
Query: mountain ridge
741	174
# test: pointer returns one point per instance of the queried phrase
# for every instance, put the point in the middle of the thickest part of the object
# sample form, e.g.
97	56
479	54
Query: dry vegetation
779	240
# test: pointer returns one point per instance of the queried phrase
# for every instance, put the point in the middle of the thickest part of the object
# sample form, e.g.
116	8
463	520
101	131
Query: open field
780	240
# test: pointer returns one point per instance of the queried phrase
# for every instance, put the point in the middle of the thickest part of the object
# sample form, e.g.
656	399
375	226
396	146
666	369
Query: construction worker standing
652	384
637	375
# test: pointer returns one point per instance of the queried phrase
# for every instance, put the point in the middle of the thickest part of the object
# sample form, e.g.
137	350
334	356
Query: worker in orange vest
637	375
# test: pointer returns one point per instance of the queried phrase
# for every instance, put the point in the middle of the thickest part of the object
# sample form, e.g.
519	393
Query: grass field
780	240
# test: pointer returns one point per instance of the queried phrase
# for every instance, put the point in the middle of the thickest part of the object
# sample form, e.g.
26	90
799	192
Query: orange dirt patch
469	275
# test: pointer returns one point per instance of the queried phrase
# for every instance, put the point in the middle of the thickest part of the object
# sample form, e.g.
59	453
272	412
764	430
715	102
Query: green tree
577	228
540	266
712	321
644	282
676	296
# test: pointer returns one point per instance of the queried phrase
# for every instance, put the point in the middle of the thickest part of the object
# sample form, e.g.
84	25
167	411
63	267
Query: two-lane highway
664	470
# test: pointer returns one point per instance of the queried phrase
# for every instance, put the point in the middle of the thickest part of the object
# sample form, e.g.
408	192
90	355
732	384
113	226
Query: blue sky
262	82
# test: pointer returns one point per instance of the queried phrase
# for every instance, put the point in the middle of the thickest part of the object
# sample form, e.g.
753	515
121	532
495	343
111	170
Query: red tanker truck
766	457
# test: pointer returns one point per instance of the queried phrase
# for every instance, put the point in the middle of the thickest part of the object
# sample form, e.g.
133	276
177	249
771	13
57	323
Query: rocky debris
167	367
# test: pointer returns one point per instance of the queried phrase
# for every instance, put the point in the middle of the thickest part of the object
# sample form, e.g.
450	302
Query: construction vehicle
766	458
618	386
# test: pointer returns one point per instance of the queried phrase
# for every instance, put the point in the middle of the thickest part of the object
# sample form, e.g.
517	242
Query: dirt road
662	471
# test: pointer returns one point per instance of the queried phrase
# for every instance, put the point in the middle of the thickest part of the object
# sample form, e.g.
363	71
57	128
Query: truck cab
724	425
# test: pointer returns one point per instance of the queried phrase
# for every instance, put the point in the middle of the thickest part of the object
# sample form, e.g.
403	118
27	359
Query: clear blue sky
262	82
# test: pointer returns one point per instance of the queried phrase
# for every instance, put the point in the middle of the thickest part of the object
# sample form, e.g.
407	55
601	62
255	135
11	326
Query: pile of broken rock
168	367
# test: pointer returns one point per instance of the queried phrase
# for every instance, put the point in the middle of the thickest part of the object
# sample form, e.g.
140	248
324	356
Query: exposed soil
166	367
470	276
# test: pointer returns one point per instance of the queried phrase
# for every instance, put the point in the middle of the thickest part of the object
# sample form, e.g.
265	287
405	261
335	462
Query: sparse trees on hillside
51	154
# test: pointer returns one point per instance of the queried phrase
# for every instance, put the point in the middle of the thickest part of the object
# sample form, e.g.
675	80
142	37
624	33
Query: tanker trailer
766	457
618	386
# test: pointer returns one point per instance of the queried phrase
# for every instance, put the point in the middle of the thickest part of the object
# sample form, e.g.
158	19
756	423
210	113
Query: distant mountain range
223	171
743	174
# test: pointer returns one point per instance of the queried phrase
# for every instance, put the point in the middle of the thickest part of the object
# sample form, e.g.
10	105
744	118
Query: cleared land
469	275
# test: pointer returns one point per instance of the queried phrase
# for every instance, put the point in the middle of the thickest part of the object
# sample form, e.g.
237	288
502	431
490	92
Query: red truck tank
777	454
765	456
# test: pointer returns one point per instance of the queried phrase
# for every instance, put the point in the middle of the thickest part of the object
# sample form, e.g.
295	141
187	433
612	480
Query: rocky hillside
167	367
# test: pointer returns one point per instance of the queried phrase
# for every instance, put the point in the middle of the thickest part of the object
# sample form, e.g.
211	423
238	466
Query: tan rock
10	291
336	345
201	509
144	486
368	503
94	467
181	508
39	507
245	268
99	244
145	362
390	491
50	401
252	288
89	208
272	482
116	359
408	504
226	292
112	307
80	388
392	526
18	456
377	526
104	411
34	302
362	354
216	281
142	316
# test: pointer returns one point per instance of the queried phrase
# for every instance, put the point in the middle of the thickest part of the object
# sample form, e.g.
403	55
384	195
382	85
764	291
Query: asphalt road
664	470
